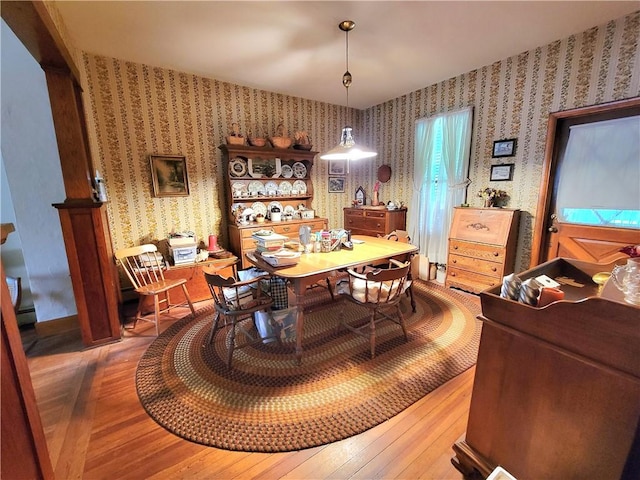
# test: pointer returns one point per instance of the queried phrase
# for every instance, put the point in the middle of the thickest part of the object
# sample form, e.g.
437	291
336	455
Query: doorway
576	220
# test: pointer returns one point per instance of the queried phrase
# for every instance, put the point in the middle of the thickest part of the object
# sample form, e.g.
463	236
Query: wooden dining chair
403	237
380	291
236	305
144	269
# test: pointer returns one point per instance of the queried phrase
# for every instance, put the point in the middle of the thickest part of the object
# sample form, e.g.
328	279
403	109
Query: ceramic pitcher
627	279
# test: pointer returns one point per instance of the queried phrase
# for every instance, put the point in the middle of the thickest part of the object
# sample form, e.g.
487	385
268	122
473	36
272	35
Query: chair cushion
359	290
241	299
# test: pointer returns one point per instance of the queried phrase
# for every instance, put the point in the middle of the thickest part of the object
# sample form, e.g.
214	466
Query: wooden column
92	268
84	223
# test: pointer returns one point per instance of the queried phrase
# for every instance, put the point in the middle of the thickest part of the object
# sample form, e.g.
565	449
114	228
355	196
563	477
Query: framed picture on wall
169	175
500	173
504	148
336	184
337	167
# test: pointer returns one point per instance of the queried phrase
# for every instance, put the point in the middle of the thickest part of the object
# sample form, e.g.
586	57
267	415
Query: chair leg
333	297
401	320
340	317
138	312
186	295
156	313
214	327
413	301
232	343
372	333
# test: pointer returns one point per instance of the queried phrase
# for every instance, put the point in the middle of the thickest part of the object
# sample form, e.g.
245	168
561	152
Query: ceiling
296	48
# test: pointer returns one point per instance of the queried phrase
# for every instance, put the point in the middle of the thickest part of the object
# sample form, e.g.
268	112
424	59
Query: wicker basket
257	142
233	140
281	142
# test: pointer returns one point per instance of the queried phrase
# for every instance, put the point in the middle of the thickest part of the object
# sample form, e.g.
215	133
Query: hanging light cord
346	78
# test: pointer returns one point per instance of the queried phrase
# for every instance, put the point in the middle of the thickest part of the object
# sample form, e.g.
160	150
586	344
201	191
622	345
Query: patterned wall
135	110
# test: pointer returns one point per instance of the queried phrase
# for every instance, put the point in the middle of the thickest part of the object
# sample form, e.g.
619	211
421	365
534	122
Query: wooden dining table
316	267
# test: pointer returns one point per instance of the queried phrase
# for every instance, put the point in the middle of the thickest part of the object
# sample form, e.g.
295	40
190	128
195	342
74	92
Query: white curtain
441	164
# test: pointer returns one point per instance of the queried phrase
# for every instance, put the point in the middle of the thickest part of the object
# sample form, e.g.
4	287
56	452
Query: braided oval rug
268	403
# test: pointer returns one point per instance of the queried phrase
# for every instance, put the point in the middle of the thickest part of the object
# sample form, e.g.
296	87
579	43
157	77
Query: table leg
299	290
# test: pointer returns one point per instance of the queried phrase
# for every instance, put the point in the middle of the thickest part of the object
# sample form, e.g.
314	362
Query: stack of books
269	242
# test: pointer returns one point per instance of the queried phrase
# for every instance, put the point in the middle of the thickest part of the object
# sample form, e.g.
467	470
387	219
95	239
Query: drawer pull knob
495	254
455	247
453	274
455	261
494	269
286	229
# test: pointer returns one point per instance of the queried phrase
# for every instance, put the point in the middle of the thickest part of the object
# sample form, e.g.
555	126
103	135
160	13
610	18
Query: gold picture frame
169	175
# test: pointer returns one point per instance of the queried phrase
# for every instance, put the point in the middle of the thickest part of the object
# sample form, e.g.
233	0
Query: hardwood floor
96	428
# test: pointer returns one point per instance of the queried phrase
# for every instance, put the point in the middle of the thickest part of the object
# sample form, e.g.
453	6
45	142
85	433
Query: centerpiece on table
492	197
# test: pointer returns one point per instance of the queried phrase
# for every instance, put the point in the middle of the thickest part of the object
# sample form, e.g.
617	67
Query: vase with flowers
492	196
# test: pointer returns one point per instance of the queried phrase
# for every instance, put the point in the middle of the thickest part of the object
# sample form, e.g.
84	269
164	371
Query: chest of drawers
482	246
374	222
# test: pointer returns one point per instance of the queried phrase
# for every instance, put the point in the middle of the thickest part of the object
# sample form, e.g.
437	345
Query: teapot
627	279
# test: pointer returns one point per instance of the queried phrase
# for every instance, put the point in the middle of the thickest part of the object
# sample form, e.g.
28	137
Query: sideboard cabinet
376	222
482	247
556	392
260	178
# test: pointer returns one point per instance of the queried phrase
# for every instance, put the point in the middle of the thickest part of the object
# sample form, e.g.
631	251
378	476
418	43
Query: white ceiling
296	48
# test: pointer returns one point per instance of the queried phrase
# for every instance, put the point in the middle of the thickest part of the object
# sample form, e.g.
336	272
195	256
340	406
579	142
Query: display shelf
243	165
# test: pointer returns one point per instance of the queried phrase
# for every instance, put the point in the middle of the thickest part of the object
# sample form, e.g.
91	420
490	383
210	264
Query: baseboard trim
57	326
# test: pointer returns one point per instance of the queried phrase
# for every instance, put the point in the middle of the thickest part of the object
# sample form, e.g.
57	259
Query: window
599	177
441	164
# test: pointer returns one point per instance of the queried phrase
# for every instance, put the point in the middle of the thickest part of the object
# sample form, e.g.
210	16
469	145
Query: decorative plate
271	186
287	171
289	210
273	205
285	187
259	207
300	186
299	170
255	186
238	167
240	187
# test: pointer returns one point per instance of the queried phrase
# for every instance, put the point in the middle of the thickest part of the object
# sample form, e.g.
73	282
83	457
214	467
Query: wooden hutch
260	178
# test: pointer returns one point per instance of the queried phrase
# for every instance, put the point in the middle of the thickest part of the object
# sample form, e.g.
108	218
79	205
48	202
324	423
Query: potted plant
492	197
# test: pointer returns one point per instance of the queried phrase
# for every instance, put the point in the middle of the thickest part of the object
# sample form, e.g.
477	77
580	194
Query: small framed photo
504	148
336	184
337	167
501	173
169	175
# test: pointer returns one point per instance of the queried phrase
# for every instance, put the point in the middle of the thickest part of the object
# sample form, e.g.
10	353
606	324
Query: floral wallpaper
136	110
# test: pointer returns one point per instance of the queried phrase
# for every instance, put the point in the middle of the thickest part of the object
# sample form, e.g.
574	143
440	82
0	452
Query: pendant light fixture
347	149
